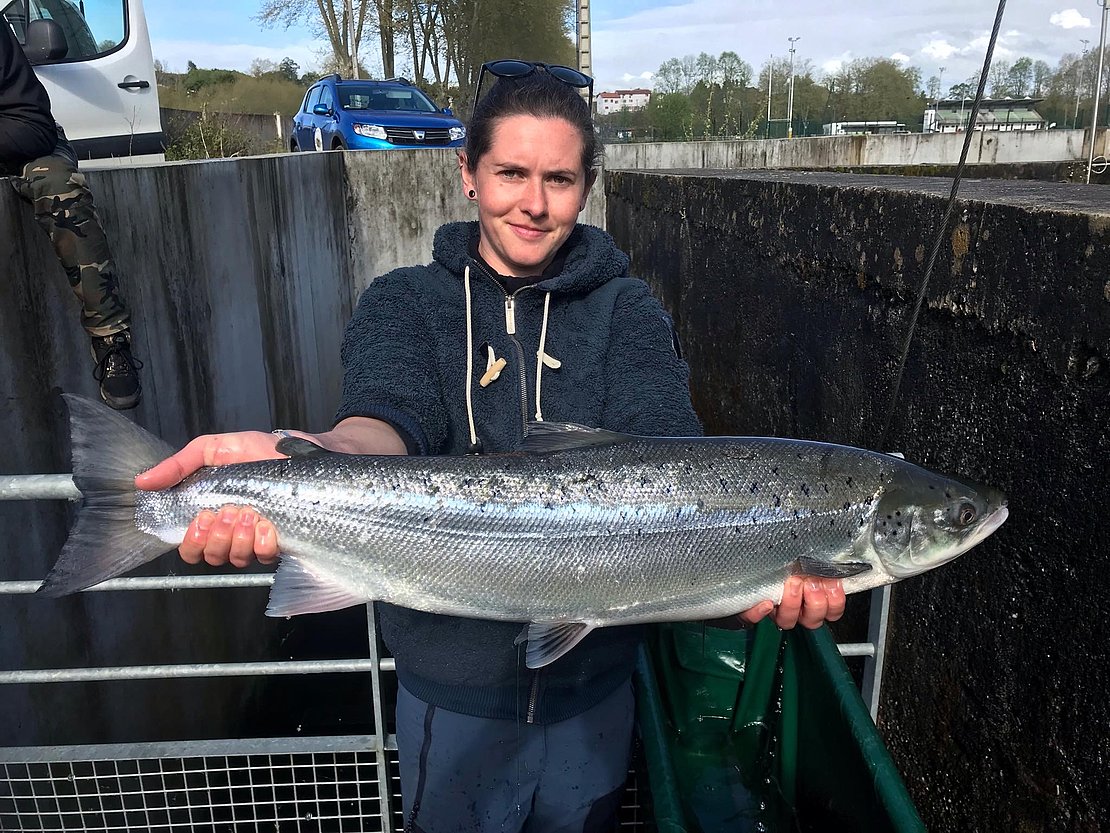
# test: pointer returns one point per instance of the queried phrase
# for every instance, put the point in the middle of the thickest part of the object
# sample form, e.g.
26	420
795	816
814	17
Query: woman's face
530	188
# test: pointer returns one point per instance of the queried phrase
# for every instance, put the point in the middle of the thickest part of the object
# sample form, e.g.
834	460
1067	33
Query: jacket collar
591	256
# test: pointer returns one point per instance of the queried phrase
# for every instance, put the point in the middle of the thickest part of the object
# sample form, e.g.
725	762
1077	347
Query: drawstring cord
470	364
542	358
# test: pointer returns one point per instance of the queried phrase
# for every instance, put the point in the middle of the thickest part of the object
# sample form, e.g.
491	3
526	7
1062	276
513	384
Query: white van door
103	92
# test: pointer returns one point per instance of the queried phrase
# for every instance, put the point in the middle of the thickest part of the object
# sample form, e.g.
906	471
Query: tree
1019	78
734	70
329	18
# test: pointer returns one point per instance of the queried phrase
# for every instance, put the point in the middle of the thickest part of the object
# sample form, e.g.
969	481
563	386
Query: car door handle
133	85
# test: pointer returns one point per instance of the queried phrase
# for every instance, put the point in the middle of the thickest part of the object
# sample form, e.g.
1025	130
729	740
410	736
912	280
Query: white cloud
900	57
1070	19
833	65
939	49
175	54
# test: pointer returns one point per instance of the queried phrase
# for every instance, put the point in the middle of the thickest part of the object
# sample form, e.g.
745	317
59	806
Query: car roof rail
399	79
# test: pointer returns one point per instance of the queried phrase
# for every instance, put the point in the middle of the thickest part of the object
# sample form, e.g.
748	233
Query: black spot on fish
805	490
774	470
755	488
846	506
778	501
849	482
825	486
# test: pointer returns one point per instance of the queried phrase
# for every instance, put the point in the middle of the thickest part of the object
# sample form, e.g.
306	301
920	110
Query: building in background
950	115
612	102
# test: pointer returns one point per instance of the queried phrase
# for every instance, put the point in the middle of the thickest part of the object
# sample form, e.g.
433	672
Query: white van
98	68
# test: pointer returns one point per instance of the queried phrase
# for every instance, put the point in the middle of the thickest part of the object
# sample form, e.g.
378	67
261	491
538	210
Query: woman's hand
234	534
806	601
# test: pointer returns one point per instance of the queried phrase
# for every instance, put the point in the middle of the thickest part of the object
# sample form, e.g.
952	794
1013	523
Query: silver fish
582	529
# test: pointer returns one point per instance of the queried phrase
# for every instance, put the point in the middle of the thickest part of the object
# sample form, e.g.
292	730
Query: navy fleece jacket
404	357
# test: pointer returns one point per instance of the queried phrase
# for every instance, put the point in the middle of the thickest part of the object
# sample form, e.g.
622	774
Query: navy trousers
463	774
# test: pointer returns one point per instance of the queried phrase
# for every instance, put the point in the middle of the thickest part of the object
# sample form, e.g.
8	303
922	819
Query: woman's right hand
234	534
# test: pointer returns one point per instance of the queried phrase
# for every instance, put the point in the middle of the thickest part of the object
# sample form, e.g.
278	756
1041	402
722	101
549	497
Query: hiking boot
117	371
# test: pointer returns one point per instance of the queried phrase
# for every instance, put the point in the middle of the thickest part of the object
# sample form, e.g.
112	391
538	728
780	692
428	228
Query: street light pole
770	75
1079	81
790	93
1098	87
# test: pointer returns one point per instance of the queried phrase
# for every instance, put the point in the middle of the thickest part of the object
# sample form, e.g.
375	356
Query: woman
522	315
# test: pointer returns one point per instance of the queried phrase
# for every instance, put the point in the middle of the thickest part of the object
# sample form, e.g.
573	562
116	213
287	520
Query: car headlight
456	133
370	131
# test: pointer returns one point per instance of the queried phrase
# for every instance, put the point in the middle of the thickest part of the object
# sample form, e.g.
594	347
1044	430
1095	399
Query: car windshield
385	98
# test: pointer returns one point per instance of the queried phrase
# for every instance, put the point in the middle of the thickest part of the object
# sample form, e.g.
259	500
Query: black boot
117	370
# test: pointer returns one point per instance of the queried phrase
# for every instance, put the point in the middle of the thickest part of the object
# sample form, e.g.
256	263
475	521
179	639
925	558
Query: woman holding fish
522	316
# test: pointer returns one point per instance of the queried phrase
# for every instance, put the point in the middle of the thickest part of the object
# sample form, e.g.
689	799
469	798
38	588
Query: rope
968	135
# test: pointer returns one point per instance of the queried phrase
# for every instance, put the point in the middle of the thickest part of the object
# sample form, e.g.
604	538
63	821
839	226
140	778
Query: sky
633	37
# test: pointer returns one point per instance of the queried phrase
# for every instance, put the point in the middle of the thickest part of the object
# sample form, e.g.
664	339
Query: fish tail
108	451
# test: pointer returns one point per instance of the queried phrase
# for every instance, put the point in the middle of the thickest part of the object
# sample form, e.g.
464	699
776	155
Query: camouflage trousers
63	207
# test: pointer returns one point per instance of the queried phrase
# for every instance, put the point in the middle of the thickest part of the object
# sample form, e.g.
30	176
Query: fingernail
813	584
265	533
204	521
246	518
766	608
227	518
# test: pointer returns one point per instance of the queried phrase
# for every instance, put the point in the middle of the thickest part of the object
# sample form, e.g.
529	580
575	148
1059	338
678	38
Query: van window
311	99
91	27
328	98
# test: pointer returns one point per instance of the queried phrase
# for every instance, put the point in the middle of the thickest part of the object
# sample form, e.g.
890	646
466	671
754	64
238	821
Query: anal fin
298	589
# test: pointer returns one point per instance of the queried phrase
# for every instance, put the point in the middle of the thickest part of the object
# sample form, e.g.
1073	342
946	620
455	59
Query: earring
472	193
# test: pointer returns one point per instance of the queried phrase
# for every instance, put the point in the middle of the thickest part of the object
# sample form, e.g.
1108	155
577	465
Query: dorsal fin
545	437
300	447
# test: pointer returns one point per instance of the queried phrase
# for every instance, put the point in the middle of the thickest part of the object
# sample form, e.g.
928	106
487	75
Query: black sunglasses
510	68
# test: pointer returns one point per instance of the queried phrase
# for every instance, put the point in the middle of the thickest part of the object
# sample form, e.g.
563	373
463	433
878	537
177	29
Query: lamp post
790	93
770	75
1098	87
1079	81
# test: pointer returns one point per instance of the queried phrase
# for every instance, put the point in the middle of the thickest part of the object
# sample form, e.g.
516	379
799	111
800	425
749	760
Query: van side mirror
447	111
321	110
45	42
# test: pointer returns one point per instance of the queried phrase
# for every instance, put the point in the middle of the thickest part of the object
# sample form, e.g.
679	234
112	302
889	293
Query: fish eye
967	514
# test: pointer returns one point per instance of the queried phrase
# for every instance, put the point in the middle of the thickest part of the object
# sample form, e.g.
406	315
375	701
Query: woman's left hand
806	601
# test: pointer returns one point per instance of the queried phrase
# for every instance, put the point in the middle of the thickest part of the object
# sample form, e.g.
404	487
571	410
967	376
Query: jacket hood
592	259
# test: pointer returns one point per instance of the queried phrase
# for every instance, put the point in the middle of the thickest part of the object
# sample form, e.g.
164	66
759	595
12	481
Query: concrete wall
818	152
793	293
241	275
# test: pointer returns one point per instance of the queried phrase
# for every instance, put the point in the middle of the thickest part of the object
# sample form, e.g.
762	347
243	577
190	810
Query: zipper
530	716
510	330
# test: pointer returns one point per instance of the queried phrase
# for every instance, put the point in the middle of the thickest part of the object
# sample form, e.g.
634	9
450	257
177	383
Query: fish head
924	519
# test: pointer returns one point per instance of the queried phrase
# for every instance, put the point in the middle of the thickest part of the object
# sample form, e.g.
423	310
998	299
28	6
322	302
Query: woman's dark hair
540	95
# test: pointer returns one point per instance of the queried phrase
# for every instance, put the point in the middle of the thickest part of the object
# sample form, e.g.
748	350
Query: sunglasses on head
510	68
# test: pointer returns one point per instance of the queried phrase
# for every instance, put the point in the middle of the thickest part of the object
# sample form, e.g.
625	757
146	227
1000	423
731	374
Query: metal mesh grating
313	791
325	791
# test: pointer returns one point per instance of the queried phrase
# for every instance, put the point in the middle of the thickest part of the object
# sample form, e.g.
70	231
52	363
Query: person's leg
64	208
585	769
463	774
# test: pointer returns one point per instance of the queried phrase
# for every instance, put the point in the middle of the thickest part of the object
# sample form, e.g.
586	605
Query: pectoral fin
809	566
297	589
548	642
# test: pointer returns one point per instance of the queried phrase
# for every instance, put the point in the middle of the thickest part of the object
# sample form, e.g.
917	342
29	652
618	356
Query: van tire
338	145
293	148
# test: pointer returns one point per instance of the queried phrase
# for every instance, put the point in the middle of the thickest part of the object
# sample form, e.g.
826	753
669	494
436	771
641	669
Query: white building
952	115
612	102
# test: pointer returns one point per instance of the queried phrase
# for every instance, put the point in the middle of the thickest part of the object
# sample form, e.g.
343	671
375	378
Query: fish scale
581	529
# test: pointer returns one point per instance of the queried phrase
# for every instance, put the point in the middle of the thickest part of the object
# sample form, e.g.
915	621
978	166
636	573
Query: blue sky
633	37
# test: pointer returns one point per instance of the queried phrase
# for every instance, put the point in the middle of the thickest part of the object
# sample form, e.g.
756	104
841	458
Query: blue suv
371	115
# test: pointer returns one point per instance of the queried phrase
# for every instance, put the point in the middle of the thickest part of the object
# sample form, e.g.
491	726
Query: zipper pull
510	316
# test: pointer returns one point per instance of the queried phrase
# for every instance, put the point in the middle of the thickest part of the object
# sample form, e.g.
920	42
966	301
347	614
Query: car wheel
293	148
338	145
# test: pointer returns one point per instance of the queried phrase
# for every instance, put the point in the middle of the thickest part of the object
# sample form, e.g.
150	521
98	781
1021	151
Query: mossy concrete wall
792	294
